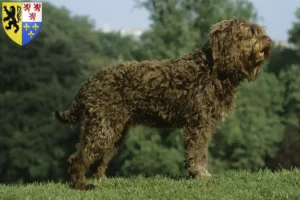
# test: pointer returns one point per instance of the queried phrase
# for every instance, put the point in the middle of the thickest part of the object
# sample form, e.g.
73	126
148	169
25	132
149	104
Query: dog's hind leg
103	162
120	129
98	143
99	170
82	158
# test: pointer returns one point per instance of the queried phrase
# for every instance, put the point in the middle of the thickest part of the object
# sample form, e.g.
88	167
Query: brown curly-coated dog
193	92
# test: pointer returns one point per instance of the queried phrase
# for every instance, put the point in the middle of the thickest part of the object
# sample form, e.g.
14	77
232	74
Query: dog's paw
204	174
201	173
84	187
99	177
89	187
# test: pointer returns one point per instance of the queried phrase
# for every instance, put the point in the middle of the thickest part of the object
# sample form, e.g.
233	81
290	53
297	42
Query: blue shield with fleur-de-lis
22	21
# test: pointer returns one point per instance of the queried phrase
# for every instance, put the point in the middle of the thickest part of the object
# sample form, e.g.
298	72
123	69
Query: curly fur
193	92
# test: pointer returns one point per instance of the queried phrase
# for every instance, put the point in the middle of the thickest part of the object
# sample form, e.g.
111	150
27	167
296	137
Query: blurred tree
287	67
116	48
289	154
253	131
149	152
295	31
281	58
179	26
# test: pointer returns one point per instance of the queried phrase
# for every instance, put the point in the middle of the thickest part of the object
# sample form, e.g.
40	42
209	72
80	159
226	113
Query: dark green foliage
150	152
116	48
295	31
288	155
281	58
290	79
285	64
179	26
253	131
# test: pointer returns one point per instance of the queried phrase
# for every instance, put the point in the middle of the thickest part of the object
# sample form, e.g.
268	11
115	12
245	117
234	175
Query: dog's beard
257	60
255	73
262	51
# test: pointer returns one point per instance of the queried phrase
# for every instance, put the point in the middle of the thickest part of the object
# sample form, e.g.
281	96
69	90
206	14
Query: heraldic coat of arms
22	21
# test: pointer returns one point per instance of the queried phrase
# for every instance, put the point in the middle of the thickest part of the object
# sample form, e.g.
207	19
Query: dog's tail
70	116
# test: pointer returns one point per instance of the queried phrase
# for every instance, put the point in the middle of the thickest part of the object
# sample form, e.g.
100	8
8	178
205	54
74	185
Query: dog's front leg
196	141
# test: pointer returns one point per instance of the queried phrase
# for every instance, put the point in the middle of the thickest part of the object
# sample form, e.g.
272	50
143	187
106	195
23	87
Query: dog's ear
224	45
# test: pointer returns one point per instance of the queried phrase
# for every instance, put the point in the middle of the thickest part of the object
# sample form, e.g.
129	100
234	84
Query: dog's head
239	46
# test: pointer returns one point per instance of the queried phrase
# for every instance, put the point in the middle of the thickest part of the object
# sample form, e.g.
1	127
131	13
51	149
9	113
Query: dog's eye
253	30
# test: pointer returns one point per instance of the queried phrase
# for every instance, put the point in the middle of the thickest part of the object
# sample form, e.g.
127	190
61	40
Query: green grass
263	185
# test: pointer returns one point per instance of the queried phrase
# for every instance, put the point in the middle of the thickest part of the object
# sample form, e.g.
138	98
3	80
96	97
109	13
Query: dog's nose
268	40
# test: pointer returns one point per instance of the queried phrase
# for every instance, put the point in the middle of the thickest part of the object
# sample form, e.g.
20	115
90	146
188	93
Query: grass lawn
231	185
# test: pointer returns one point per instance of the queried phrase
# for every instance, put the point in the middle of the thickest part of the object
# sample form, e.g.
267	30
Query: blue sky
277	15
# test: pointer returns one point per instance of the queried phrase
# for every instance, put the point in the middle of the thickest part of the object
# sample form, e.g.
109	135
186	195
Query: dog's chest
215	101
226	102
